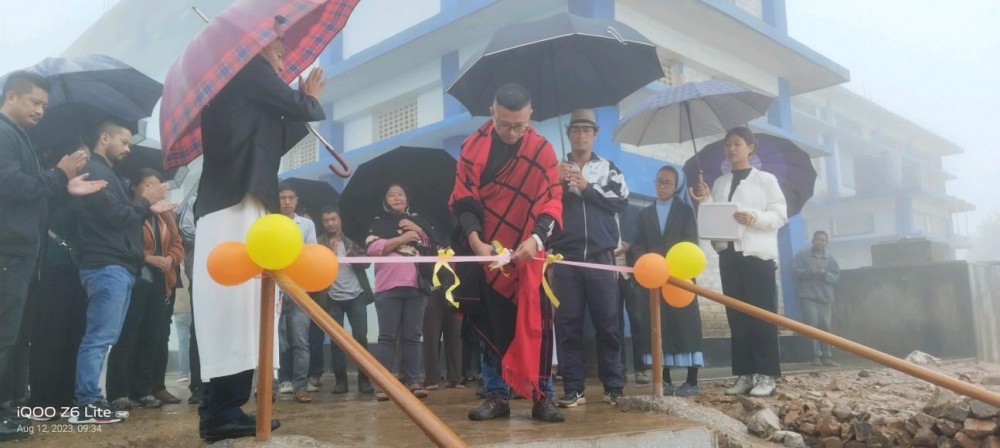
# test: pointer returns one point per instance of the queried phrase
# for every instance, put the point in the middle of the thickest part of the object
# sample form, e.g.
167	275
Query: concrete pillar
449	72
333	131
904	216
453	145
832	166
774	14
791	237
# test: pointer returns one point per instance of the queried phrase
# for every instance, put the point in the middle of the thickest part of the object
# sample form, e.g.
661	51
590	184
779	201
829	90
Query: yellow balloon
274	241
686	260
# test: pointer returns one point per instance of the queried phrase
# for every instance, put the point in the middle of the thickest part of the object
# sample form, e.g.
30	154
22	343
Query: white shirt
760	195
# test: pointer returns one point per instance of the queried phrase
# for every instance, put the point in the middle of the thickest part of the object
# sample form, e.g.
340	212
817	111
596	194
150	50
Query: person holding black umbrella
747	264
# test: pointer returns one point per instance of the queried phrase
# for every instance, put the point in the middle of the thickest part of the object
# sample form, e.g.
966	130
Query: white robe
227	318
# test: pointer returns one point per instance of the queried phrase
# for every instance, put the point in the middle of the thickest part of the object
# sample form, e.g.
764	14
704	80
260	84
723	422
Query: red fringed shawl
525	188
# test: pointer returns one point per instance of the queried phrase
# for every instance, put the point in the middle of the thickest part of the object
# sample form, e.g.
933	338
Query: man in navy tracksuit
595	191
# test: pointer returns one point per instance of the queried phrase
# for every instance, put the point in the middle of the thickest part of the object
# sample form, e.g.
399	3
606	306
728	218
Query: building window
303	153
846	166
857	224
751	6
850	125
396	121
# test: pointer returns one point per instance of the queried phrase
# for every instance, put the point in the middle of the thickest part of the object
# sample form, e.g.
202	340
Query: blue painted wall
791	237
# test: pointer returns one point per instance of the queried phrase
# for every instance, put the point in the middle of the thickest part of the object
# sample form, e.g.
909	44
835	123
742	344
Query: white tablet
715	221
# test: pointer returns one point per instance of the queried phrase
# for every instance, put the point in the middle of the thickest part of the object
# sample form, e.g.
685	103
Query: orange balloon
315	269
677	297
229	264
651	270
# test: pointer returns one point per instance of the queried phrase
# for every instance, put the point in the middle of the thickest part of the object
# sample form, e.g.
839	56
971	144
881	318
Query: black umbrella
85	91
428	175
146	153
790	164
100	81
567	62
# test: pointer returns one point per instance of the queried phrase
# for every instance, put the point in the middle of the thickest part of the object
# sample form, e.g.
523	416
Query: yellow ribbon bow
443	256
549	259
499	250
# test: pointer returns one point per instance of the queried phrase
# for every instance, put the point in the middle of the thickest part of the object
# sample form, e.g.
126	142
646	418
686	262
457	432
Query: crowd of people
90	266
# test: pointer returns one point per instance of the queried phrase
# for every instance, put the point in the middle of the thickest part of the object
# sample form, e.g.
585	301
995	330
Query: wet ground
353	420
350	420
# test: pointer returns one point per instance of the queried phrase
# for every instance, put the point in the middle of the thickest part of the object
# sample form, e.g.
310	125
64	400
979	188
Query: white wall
358	132
430	106
712	59
374	21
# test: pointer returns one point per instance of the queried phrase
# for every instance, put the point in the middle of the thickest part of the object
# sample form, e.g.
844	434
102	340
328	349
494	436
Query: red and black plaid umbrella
226	45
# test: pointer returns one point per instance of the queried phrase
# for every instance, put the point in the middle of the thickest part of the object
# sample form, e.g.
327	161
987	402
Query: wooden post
866	352
436	430
265	363
656	342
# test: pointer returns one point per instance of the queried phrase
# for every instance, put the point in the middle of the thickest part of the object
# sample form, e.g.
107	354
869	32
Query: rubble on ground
867	408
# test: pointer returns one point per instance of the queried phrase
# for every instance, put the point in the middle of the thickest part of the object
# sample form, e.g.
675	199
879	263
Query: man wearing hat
594	192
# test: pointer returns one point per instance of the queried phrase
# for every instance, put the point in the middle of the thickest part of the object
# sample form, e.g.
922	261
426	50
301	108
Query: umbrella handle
344	171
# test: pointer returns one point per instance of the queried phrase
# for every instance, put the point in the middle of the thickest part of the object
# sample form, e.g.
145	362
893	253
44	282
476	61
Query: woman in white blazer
748	264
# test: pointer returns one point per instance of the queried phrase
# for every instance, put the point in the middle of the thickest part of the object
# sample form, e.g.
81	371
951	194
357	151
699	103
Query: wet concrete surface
353	420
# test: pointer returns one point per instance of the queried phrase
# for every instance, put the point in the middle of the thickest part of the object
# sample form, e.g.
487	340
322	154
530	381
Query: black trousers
16	274
194	358
580	289
754	342
132	360
58	320
634	301
223	397
161	337
316	338
441	320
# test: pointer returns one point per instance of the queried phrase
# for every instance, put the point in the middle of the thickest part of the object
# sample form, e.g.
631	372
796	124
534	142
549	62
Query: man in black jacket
24	192
595	191
111	254
253	121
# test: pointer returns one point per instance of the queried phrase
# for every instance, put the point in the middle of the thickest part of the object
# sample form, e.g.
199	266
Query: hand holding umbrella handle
702	191
345	170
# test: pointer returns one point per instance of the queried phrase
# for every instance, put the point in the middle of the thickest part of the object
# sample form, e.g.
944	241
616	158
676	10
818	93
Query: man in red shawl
507	190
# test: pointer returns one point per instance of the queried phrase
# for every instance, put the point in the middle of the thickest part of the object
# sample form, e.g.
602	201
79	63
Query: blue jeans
495	384
294	339
109	289
356	312
183	323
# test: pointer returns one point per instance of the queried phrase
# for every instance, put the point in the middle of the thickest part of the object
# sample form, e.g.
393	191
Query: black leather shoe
244	427
14	429
252	418
231	430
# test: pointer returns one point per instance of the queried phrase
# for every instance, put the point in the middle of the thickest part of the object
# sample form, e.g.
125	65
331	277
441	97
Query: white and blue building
391	66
